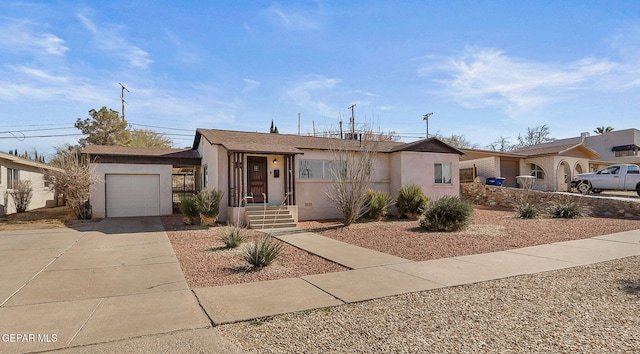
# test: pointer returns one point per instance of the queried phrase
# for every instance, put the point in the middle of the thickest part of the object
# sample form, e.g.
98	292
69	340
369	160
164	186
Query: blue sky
485	69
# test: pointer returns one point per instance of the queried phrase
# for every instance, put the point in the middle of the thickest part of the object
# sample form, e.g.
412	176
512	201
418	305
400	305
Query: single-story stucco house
553	166
13	169
260	169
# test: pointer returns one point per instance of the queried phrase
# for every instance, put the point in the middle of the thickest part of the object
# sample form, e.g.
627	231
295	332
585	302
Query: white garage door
132	195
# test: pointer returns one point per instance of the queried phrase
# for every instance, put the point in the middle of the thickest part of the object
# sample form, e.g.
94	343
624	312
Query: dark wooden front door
257	178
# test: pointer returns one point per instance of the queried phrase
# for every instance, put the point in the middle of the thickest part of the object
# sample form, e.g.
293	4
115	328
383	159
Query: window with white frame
205	176
12	177
536	171
321	169
442	172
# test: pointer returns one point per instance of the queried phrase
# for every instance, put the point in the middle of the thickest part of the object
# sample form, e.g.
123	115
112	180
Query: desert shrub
411	201
263	252
208	205
378	202
21	195
569	209
447	214
233	236
188	208
527	210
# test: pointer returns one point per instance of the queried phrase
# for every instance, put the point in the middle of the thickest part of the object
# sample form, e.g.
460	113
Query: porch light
275	161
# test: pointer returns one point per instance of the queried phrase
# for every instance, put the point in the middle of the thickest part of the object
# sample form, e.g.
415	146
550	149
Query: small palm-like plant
378	204
263	252
411	201
208	205
188	208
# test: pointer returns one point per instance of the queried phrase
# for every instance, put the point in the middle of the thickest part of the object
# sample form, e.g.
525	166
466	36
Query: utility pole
352	120
122	98
298	123
426	119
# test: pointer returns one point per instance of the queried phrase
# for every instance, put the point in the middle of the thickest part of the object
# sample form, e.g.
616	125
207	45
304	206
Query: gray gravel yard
589	309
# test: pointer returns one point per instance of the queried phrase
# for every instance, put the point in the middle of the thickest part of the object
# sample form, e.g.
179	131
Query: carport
140	181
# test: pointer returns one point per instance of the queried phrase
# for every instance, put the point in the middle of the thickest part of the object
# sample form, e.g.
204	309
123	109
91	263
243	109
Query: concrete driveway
117	287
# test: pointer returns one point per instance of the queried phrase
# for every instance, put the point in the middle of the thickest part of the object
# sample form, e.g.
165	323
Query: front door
257	178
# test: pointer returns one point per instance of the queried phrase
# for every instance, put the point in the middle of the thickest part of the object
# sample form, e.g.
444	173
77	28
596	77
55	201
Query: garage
132	195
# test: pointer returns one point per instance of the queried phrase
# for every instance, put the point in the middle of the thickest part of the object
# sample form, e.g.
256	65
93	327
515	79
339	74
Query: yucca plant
233	236
263	252
569	209
188	208
208	205
411	201
378	204
527	210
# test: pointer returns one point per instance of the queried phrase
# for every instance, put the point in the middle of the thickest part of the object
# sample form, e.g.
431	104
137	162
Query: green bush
233	236
188	208
378	203
263	252
527	210
447	214
208	205
411	201
568	209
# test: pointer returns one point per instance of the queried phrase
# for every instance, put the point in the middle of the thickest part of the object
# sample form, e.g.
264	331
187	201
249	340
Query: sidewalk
375	274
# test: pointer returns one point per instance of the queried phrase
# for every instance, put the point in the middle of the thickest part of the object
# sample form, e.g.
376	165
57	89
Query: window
321	169
633	170
442	173
611	170
205	176
537	171
12	177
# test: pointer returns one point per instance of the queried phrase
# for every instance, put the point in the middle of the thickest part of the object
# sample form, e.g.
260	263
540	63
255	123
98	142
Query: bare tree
21	195
73	178
352	175
458	141
502	144
535	136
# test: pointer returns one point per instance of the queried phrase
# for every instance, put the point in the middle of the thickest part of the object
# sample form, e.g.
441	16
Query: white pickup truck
624	177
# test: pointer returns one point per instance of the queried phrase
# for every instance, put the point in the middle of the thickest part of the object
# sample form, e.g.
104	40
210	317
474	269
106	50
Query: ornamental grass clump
569	209
378	204
447	214
411	201
263	252
233	237
527	210
188	208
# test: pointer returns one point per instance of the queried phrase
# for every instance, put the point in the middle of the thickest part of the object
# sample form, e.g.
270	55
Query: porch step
259	217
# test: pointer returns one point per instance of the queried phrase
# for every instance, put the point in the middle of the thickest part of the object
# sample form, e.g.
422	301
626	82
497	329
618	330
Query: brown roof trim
26	162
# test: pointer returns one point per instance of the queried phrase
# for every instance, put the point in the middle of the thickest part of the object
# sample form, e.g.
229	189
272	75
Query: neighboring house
261	169
553	166
14	169
614	147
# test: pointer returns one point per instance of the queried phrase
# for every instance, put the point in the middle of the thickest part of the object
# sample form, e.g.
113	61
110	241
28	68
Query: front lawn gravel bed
491	230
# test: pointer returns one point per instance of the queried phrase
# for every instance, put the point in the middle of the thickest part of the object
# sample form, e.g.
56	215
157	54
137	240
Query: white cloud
306	93
111	39
40	74
21	35
295	20
250	85
482	77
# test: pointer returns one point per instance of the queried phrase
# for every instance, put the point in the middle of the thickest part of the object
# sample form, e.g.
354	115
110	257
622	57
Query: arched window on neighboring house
536	171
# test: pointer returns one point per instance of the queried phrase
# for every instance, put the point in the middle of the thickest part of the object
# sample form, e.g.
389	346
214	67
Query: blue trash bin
497	181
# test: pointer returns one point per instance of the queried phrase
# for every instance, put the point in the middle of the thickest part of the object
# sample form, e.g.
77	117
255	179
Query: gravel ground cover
491	230
205	261
589	309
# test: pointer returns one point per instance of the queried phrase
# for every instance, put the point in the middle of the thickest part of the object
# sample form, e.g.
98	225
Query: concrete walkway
118	288
375	275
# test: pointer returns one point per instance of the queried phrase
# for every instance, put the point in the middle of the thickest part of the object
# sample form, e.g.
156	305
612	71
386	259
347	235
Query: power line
40	136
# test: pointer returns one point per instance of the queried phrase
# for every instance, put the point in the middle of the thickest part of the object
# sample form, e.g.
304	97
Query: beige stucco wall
98	194
554	174
311	195
409	167
43	196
